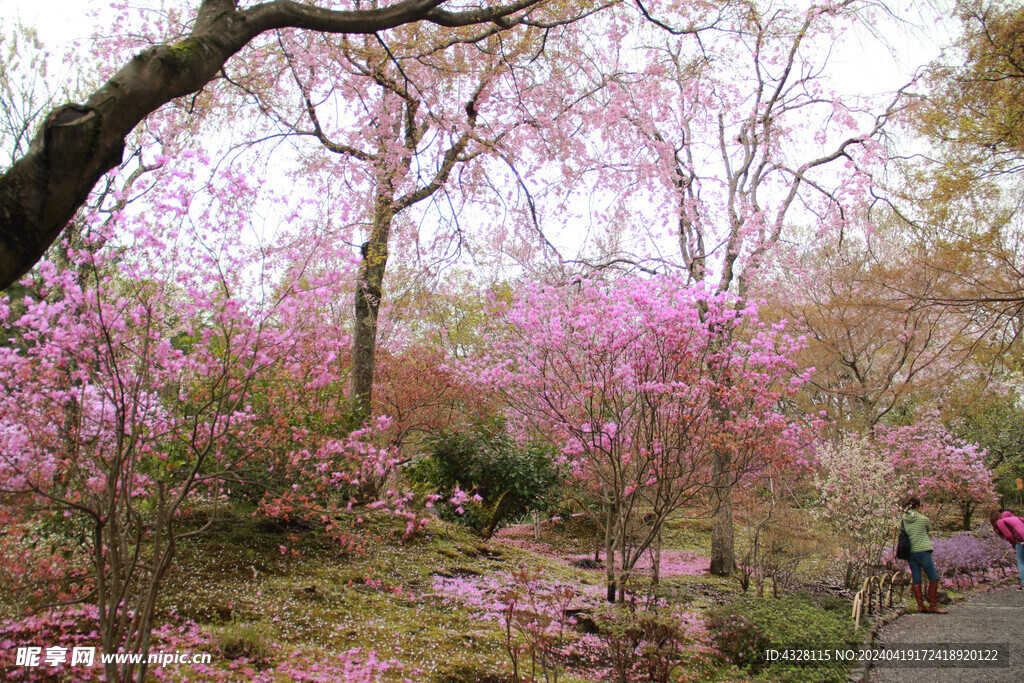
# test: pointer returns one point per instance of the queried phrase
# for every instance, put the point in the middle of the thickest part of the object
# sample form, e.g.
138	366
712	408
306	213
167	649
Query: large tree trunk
369	291
78	143
370	288
723	556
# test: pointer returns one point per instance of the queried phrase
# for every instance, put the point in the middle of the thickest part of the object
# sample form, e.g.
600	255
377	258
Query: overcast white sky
865	63
58	21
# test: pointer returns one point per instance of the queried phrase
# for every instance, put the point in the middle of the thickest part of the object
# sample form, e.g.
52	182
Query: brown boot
915	588
933	598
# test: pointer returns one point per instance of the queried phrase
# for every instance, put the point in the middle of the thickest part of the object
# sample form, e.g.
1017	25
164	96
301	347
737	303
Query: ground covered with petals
276	600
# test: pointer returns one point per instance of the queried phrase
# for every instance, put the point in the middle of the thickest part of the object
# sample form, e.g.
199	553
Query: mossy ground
275	597
253	584
298	589
268	592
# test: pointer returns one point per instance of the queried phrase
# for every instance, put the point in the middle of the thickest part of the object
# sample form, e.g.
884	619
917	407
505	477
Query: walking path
979	623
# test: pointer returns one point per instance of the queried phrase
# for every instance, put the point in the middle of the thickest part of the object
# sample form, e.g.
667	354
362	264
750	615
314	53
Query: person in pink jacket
1011	528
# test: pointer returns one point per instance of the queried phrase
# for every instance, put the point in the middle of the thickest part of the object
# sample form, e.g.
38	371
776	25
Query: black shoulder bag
903	544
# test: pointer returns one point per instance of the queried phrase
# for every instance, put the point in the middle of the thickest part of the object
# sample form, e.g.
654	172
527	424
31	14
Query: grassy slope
274	593
317	598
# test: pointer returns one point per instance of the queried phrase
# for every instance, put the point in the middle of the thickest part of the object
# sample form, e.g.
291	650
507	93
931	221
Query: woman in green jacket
918	527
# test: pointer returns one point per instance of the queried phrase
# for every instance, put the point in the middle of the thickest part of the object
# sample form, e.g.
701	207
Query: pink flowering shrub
937	466
535	616
648	639
642	383
965	556
194	364
859	497
341	473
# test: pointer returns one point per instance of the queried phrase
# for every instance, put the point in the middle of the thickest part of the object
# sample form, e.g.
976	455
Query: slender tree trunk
609	554
967	511
623	578
656	558
369	291
164	549
103	590
626	560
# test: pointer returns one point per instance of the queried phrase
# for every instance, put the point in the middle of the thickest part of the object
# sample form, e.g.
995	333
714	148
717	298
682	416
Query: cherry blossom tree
937	466
395	124
730	126
626	379
79	143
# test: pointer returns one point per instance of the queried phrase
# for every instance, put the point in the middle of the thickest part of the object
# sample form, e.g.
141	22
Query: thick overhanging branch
78	143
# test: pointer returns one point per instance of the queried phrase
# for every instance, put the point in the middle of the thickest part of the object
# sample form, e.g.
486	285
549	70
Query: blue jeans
923	560
1020	561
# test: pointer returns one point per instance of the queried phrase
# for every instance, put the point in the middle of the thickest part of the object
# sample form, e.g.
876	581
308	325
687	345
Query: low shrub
744	630
966	556
651	640
485	479
535	619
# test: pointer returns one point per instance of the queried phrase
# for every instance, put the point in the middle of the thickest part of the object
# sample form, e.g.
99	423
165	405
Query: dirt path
979	624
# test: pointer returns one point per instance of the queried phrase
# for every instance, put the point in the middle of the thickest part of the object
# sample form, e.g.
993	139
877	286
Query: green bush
1006	482
510	478
744	630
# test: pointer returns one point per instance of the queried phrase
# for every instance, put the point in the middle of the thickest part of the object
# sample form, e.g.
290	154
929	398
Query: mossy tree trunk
369	292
